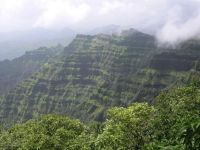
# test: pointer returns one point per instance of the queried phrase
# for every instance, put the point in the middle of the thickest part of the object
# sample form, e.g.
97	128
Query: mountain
97	72
14	44
14	71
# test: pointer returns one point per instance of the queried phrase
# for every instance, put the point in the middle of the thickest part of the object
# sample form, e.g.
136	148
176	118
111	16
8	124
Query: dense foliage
48	132
173	123
177	119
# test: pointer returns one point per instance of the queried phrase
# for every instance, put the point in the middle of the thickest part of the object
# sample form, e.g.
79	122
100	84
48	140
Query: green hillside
14	71
95	73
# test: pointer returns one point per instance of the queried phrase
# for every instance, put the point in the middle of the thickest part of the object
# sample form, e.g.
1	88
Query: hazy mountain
97	72
92	74
14	44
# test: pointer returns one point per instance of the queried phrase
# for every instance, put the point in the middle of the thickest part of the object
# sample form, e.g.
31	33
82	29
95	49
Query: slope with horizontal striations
14	71
97	72
92	74
170	67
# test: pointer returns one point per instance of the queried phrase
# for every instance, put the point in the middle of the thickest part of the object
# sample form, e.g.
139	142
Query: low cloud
171	21
61	13
180	25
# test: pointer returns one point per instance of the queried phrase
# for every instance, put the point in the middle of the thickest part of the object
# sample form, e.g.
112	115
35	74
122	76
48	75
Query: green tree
176	117
50	132
127	128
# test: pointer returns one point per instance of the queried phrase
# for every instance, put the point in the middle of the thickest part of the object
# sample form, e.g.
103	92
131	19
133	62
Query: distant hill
14	44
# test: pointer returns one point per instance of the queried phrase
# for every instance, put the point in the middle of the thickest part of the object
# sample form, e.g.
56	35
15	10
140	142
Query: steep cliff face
16	70
173	61
97	72
92	74
170	67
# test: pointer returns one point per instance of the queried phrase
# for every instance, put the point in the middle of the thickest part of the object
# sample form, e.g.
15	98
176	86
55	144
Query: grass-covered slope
170	67
95	73
92	74
18	69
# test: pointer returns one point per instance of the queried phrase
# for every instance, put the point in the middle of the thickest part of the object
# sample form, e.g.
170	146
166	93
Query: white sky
173	20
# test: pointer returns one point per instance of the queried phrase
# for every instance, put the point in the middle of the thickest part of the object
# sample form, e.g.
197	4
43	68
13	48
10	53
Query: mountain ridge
92	74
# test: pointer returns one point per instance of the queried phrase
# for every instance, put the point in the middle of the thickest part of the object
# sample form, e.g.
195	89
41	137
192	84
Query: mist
171	21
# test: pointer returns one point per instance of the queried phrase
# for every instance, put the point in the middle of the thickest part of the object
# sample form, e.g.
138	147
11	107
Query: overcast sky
172	20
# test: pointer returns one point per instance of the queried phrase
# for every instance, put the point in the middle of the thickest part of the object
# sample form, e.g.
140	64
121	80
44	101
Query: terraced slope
92	74
97	72
16	70
171	67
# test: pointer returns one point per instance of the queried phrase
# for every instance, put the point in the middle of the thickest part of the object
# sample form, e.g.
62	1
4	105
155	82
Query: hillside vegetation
173	123
14	71
97	72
